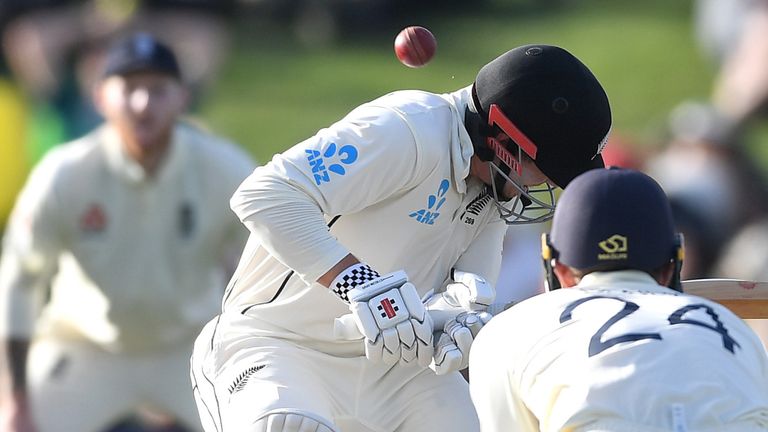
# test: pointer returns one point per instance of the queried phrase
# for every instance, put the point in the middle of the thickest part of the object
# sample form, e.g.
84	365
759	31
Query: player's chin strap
549	255
679	255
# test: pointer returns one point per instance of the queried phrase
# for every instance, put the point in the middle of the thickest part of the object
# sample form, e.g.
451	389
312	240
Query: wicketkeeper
619	347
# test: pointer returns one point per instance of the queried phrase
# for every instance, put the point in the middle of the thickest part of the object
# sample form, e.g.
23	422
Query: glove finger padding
391	339
453	344
473	321
412	301
447	357
424	340
421	327
408	347
365	321
461	336
374	350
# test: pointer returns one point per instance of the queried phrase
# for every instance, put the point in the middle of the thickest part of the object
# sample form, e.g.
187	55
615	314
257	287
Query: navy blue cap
140	52
613	219
557	103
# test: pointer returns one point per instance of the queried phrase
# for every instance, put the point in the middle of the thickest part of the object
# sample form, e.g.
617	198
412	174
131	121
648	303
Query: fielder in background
129	228
377	231
620	348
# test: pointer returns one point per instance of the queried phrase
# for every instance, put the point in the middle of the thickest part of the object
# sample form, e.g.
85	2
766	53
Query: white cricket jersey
391	179
132	262
619	353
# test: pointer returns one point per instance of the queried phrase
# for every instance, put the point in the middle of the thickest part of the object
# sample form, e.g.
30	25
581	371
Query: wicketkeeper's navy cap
556	103
140	52
613	219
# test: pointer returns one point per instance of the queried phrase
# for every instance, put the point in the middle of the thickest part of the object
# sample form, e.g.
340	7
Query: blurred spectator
14	113
715	184
711	181
125	238
55	47
735	34
745	256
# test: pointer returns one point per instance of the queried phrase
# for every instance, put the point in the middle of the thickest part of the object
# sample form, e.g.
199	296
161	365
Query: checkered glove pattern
353	276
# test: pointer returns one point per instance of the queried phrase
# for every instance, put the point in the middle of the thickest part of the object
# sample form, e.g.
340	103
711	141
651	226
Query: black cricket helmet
554	111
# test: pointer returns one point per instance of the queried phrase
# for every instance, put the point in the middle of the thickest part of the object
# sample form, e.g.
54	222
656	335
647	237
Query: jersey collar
131	171
462	151
621	280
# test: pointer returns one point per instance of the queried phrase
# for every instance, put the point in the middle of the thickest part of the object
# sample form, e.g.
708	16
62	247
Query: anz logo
332	160
430	214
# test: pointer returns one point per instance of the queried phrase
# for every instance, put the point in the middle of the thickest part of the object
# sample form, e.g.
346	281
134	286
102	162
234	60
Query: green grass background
274	92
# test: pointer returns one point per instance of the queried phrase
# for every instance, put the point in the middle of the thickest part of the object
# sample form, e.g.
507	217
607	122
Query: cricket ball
415	46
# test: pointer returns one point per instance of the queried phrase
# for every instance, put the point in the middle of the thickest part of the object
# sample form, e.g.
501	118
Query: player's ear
565	275
548	254
667	274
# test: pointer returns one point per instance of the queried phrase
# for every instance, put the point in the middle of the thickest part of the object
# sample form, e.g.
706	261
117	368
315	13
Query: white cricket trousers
238	378
78	387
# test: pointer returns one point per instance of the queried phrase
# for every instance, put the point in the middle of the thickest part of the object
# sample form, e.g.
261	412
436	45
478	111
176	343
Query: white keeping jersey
619	353
132	262
391	181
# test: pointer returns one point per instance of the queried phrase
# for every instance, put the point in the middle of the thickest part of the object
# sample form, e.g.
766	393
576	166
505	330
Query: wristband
351	277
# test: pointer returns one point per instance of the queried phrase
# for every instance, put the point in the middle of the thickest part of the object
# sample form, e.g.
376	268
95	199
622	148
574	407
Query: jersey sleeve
31	246
367	157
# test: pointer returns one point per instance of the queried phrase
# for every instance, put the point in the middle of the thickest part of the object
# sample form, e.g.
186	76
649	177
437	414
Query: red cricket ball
415	46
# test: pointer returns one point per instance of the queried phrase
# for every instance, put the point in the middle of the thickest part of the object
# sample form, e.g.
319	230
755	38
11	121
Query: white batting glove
454	342
389	313
468	293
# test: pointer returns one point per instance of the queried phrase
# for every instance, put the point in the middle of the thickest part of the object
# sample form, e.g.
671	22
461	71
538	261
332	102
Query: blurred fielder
376	232
129	228
620	348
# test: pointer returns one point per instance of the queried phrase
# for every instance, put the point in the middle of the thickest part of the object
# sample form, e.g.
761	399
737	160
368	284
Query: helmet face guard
530	205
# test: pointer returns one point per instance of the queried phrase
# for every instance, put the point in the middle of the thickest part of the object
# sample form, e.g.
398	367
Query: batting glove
454	342
468	293
390	315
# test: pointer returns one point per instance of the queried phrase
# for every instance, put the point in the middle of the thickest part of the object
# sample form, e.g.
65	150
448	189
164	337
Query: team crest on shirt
475	207
241	380
186	219
330	161
430	214
93	220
